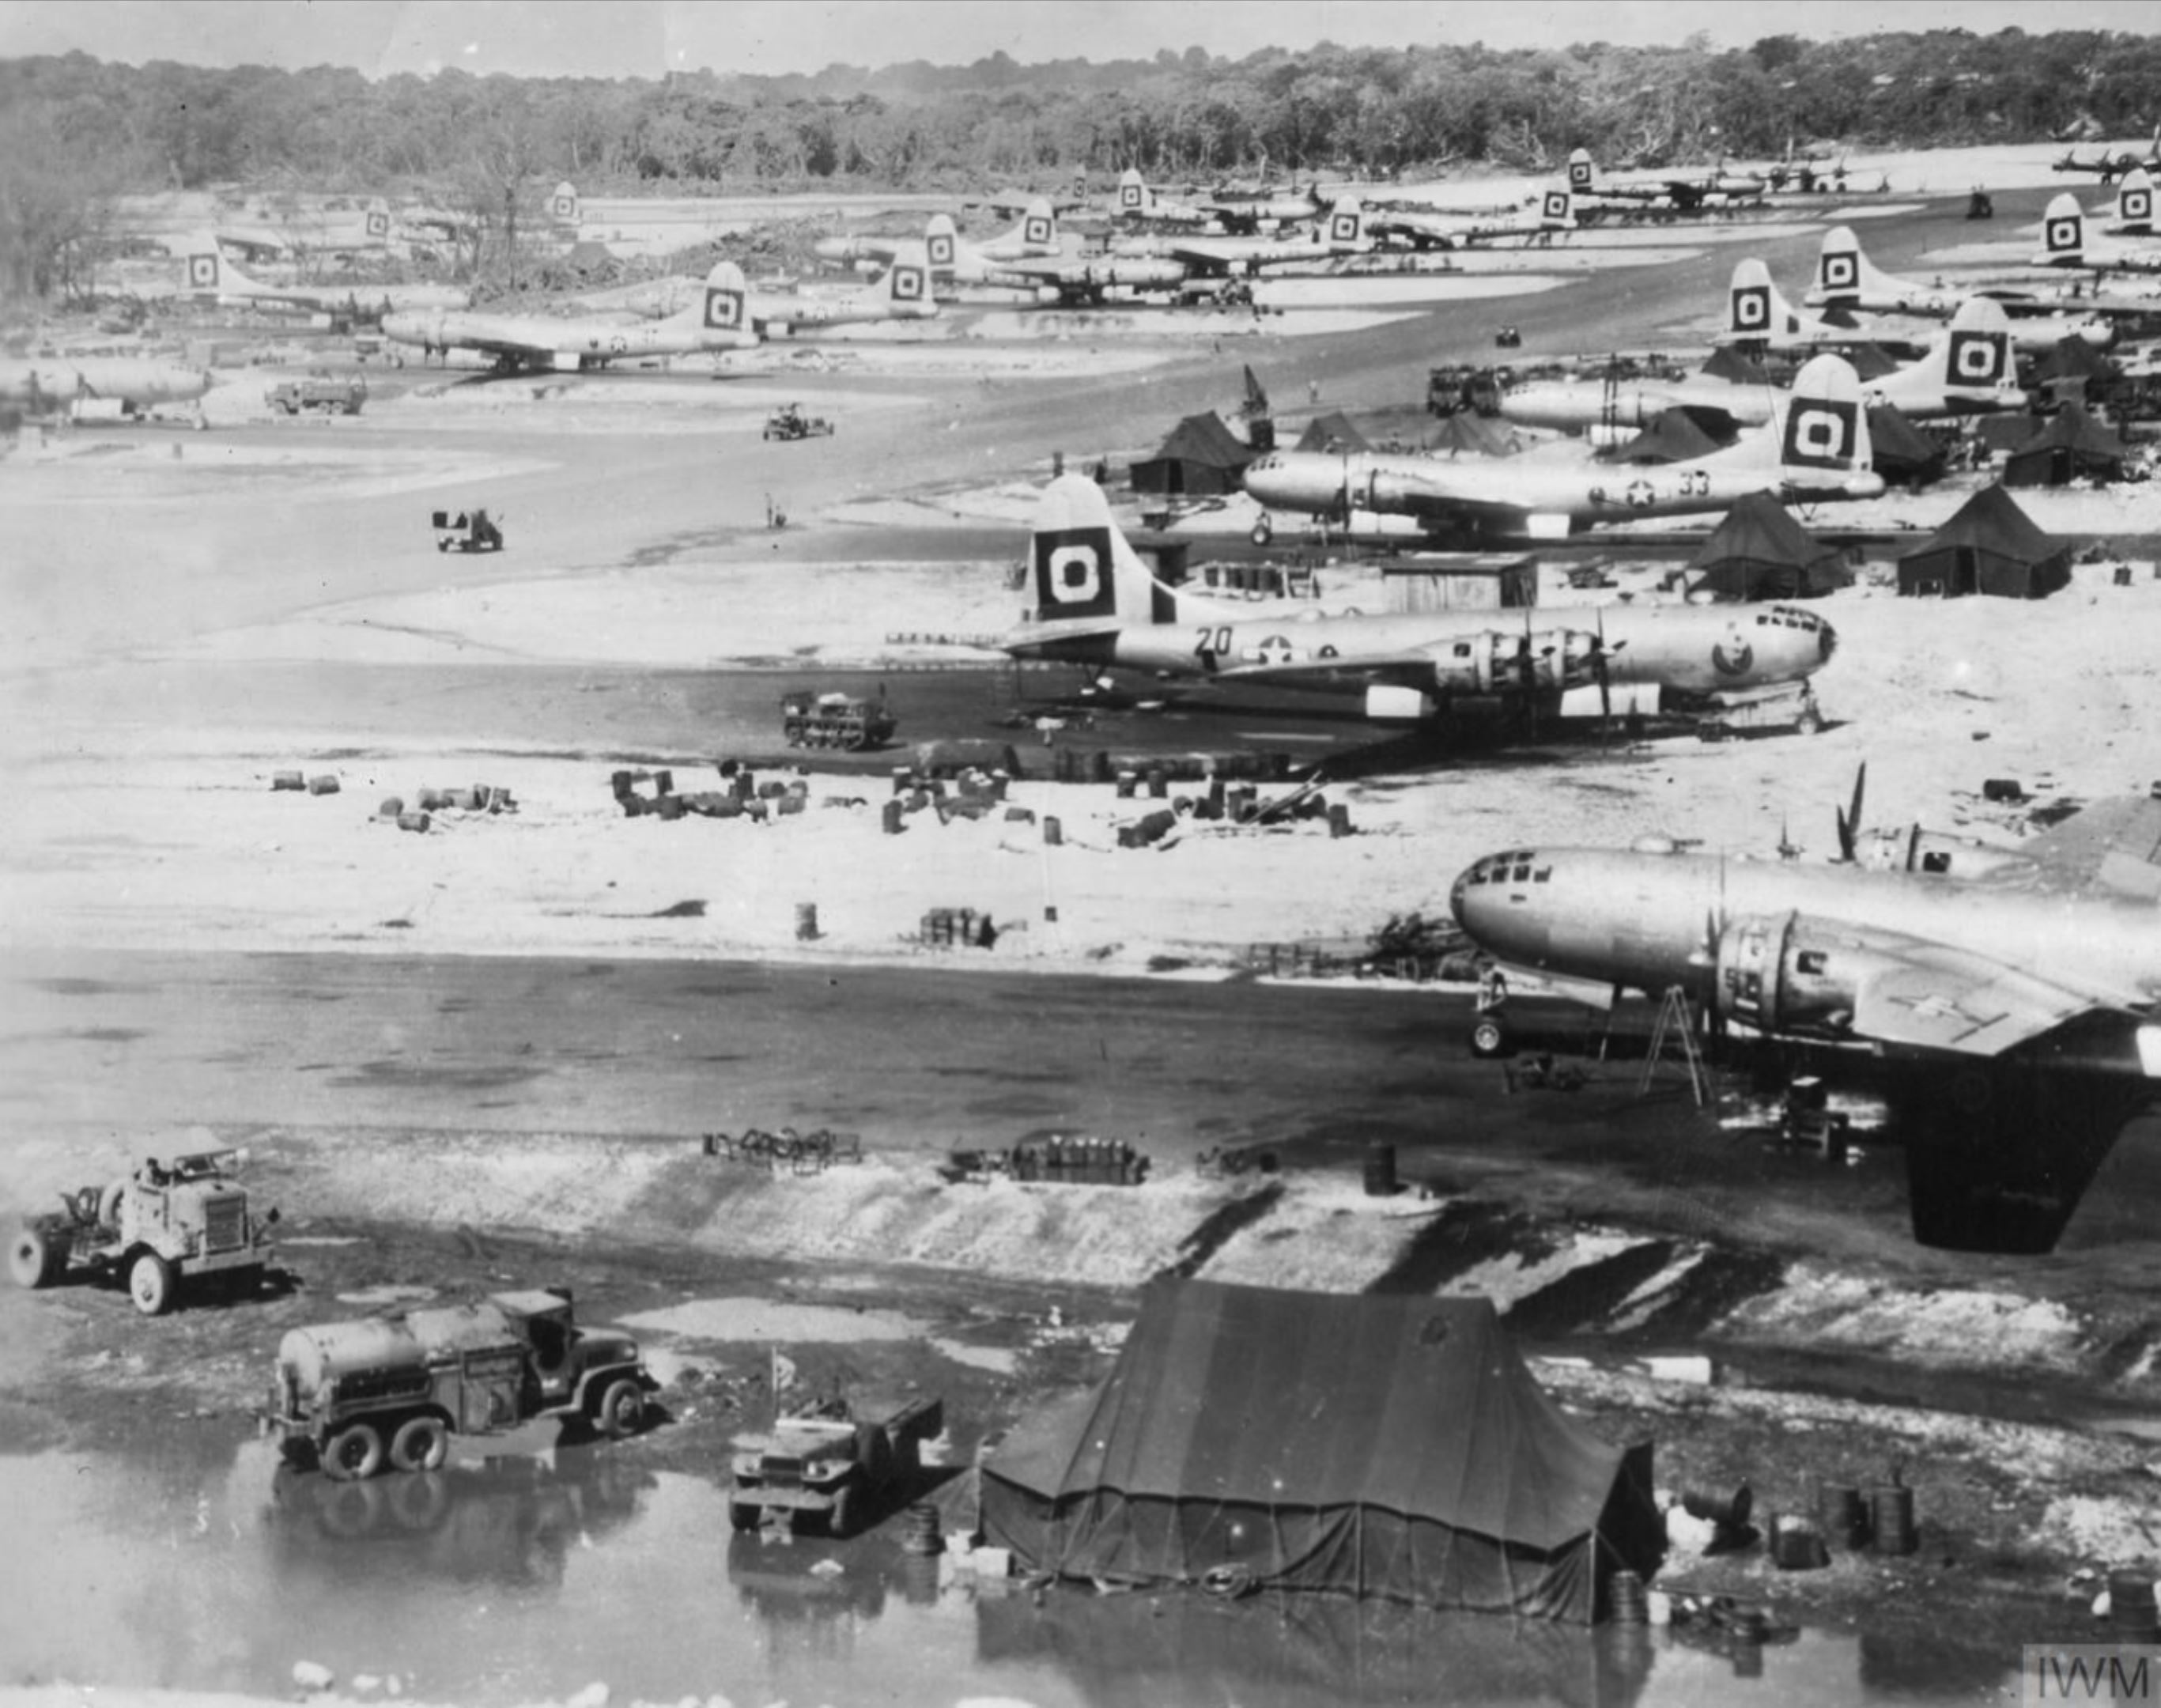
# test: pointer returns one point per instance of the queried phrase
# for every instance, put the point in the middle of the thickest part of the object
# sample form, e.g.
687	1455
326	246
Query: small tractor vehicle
810	720
832	1467
159	1227
789	422
394	1389
466	531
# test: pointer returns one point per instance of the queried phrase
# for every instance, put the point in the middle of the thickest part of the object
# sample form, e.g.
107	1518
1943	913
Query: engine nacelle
1390	702
1789	975
1550	660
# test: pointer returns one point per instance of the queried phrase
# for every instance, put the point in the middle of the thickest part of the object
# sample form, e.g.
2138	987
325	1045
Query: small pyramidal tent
1990	546
2071	446
1202	456
1759	551
1370	1445
1672	435
1334	431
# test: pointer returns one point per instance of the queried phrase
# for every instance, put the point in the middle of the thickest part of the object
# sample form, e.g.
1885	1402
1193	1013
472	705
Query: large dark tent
1990	546
1729	362
1759	551
2072	446
1393	1446
1201	456
1671	436
1901	451
1481	435
1333	431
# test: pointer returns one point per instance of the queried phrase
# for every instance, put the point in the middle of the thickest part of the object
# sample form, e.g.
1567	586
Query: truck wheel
421	1444
841	1520
353	1454
745	1515
31	1258
150	1284
1489	1038
622	1409
108	1204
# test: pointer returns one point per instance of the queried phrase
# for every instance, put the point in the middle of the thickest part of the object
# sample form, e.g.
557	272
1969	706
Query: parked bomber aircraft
1967	368
720	321
1846	279
1814	449
2110	165
1911	331
949	255
210	274
1722	407
2017	1030
1097	605
2066	243
1343	232
59	386
1554	210
1687	192
900	293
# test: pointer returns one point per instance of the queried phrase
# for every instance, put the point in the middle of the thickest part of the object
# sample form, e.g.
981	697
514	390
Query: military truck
811	720
159	1226
319	394
831	1465
392	1389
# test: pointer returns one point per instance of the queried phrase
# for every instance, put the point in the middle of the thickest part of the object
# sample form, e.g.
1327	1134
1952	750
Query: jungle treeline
73	127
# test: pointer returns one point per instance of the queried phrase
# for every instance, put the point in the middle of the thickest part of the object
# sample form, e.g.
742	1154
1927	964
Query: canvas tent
1672	435
1729	362
1201	457
1759	551
1333	431
1480	435
1901	451
2072	446
1990	546
1385	1446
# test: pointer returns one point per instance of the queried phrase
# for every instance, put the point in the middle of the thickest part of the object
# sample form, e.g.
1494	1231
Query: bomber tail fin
941	245
1823	430
725	304
208	273
1582	173
904	287
1346	228
563	208
1557	206
2134	204
1084	569
1757	312
375	225
1039	227
1972	356
1135	202
2063	233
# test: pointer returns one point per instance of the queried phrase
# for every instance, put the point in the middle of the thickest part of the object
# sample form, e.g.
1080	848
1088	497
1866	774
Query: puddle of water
525	1576
774	1319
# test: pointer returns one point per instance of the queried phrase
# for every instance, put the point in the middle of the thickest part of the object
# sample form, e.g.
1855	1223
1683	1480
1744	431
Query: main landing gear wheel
1489	1038
1264	530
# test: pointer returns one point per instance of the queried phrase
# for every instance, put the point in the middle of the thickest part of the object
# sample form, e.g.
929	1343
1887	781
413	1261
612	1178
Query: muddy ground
192	611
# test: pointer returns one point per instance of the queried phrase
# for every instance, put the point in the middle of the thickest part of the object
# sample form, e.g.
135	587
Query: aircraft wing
2113	845
1933	997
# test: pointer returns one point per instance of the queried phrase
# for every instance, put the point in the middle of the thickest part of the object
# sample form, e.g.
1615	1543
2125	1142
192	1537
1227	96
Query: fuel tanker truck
392	1389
